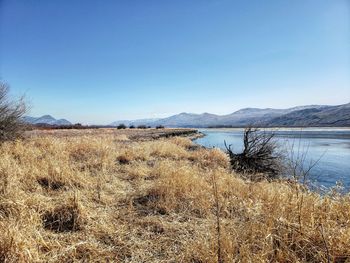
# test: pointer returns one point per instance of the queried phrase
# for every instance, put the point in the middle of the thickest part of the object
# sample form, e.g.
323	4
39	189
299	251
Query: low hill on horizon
46	119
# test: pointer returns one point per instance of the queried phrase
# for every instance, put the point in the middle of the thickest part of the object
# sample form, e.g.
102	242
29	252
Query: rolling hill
46	119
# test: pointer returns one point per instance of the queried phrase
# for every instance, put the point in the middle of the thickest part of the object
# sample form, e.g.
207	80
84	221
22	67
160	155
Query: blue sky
100	61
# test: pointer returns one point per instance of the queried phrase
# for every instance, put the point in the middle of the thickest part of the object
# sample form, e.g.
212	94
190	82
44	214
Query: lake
329	146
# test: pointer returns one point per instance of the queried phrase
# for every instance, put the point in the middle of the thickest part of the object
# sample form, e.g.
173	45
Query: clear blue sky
100	61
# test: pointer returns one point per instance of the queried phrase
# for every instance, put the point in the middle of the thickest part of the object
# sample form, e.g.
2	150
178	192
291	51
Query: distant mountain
46	119
325	116
263	117
310	115
189	120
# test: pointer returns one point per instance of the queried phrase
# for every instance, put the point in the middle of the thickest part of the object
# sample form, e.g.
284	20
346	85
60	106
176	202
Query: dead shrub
11	113
259	158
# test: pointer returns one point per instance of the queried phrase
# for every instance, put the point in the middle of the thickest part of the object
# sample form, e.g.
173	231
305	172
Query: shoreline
132	134
284	128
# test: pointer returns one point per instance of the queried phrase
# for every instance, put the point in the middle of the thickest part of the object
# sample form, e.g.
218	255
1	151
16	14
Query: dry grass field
112	196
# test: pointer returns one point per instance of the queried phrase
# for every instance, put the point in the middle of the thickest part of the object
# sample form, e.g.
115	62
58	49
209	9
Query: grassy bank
99	196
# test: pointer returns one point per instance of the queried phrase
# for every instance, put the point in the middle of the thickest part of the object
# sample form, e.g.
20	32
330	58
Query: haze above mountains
301	116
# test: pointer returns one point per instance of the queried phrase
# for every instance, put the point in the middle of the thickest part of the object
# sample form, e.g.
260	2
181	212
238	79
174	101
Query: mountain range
301	116
46	119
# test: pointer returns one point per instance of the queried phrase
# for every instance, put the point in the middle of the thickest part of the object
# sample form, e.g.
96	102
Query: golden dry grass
99	197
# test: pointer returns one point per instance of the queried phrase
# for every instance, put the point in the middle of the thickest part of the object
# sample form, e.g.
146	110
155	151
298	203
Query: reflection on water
331	145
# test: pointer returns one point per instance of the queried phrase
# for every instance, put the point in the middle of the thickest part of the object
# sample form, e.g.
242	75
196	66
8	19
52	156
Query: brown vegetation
11	113
98	196
260	158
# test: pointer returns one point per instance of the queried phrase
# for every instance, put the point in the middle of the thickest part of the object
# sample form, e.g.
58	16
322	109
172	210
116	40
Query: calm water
330	146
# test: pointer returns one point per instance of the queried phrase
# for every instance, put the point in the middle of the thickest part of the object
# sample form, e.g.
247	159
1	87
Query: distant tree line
45	126
142	126
78	126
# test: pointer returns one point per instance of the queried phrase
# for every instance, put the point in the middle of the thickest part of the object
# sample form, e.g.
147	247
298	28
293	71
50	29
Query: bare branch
11	114
259	156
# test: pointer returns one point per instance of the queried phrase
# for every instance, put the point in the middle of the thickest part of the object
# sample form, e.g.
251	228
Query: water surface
329	146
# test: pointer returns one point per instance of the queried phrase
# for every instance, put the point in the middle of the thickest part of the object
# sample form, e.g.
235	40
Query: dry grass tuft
210	158
10	250
64	218
180	189
51	184
153	201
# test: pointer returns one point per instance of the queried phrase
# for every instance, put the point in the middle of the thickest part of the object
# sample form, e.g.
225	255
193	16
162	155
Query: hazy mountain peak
207	114
248	110
185	114
46	119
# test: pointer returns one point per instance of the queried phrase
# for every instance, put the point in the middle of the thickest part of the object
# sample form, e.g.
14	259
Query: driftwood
259	158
